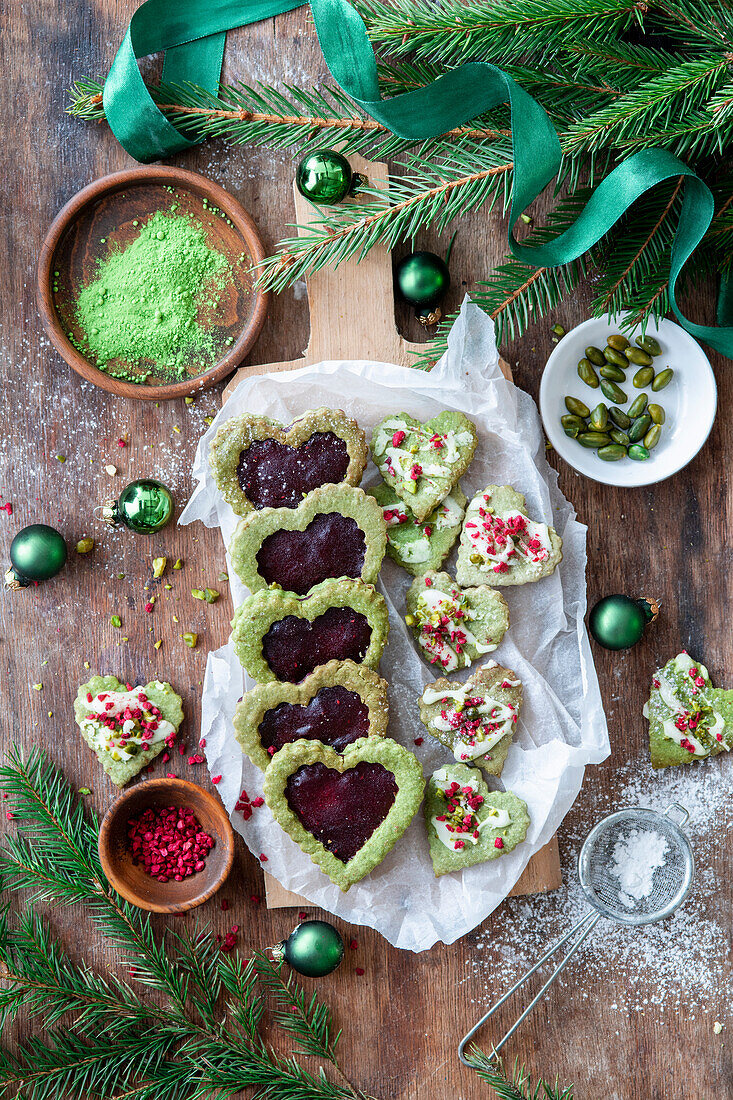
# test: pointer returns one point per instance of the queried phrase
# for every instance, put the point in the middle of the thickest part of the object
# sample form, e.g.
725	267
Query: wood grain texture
402	1019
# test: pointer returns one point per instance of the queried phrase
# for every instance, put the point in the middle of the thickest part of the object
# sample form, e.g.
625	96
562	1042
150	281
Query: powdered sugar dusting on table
678	964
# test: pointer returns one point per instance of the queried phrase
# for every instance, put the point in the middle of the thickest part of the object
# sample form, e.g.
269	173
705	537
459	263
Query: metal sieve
670	886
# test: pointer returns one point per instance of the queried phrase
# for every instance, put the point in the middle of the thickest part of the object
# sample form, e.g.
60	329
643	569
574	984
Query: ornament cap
14	581
650	607
110	514
431	318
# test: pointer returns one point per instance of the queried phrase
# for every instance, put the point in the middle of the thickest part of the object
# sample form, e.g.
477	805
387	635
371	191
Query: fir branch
518	293
638	253
384	217
264	116
308	1021
454	31
684	88
519	1087
117	1046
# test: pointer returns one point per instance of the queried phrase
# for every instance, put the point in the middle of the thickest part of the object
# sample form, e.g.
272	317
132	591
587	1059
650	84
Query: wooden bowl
102	215
135	884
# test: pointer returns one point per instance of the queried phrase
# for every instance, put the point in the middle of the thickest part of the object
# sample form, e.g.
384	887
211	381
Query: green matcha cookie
454	626
257	463
467	823
119	722
476	719
336	531
500	545
419	546
422	462
336	705
346	812
280	636
688	718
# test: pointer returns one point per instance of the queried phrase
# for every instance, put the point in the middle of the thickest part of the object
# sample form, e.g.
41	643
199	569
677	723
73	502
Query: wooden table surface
622	1030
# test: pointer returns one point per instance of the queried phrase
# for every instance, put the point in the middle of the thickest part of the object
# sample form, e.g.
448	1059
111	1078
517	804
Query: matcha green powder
147	305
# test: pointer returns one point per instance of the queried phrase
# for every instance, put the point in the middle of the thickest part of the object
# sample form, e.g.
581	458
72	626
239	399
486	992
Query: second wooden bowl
131	880
107	214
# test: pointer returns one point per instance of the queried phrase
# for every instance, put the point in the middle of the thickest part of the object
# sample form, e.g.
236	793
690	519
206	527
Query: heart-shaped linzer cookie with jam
336	531
467	823
501	545
418	546
126	726
257	463
280	636
422	462
346	812
454	626
337	704
475	720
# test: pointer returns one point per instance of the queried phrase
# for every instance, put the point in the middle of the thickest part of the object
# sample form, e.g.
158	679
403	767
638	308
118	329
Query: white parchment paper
562	725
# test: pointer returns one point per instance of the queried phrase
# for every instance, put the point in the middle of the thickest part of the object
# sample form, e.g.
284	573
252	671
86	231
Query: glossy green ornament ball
422	279
324	176
618	622
144	506
315	948
37	553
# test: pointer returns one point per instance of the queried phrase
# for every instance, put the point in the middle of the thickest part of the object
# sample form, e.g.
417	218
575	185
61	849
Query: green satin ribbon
191	33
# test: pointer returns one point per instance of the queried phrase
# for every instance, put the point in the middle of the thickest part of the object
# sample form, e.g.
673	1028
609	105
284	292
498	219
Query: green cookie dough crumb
688	718
467	823
145	307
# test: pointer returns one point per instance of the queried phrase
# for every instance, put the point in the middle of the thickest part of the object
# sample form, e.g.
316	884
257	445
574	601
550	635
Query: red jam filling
332	545
335	716
293	647
273	475
341	810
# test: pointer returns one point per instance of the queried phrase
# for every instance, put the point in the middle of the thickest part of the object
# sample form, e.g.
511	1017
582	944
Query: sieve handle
586	924
676	812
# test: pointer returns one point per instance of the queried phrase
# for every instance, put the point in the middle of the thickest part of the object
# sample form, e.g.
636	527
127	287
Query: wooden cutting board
351	318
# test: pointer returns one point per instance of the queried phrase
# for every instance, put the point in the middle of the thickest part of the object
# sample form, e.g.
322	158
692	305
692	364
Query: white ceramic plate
690	402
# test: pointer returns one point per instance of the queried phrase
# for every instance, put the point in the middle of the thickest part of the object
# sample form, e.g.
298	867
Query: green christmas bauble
37	553
423	280
324	176
315	948
144	506
618	622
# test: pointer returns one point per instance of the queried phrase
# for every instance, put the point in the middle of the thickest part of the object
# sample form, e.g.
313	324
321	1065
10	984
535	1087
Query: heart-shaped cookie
127	726
346	812
500	545
336	531
280	636
337	704
688	718
418	546
467	823
257	463
454	626
476	719
422	462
